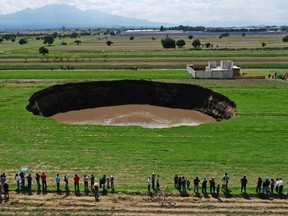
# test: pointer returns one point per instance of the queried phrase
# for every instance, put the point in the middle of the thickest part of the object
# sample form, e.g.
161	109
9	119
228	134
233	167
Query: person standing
243	183
149	184
76	182
22	177
108	183
96	192
17	179
281	186
258	187
6	190
66	182
196	185
224	183
158	183
188	184
29	182
265	187
212	185
227	177
153	181
43	179
85	179
57	179
272	184
176	181
183	184
112	184
204	185
37	179
92	181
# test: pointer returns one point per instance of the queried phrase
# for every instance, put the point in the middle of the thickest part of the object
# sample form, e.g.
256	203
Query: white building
226	70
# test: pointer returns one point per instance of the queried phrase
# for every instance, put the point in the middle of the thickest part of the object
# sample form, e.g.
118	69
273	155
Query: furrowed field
254	143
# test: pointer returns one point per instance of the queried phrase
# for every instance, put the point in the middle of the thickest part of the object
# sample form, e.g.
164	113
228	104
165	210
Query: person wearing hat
212	185
243	183
96	192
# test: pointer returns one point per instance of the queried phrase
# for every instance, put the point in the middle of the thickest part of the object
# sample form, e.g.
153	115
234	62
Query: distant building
226	70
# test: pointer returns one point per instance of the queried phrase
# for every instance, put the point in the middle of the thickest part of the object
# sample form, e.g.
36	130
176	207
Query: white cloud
173	11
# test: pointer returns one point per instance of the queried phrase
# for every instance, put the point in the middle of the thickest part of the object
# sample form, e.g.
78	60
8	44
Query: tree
224	35
48	39
23	41
161	28
285	39
55	34
74	35
168	43
131	38
1	39
243	34
43	50
190	37
263	44
77	42
207	45
109	43
153	38
196	43
180	43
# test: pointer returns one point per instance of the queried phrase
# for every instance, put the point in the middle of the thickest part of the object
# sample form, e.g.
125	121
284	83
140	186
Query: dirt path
123	204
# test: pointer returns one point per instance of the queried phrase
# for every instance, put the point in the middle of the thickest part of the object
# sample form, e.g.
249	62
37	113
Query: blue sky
237	12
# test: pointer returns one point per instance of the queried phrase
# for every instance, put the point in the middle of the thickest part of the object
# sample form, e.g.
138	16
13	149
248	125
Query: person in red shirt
212	185
76	182
43	179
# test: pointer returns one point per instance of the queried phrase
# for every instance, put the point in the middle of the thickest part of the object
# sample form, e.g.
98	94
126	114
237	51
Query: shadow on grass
184	194
246	196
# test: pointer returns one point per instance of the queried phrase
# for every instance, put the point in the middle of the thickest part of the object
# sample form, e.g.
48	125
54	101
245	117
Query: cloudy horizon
173	11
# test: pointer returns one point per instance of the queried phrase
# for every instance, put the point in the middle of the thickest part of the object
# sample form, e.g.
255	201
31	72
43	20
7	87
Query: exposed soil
141	115
124	204
79	96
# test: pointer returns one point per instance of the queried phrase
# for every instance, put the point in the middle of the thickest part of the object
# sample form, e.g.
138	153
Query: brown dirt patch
139	115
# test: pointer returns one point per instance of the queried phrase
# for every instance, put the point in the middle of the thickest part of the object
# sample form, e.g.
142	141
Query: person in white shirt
17	179
149	182
281	185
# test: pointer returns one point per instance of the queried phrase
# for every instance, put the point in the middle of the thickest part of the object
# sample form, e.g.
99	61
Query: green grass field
253	143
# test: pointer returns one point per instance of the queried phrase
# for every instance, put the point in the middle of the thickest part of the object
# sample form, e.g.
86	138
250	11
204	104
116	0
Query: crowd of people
263	187
24	183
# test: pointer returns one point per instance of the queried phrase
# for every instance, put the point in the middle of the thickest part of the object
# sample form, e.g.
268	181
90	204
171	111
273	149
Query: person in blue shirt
57	179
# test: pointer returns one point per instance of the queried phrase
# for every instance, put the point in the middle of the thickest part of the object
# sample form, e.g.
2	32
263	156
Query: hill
58	15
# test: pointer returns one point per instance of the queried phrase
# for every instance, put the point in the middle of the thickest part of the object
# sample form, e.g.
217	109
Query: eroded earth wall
77	96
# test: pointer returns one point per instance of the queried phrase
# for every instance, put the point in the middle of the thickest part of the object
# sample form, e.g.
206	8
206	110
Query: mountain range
57	15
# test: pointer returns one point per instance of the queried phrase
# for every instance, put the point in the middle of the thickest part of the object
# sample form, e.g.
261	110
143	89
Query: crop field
254	143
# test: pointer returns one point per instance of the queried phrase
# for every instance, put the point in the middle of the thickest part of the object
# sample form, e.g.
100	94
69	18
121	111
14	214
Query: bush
180	43
168	43
196	43
23	41
285	39
109	43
